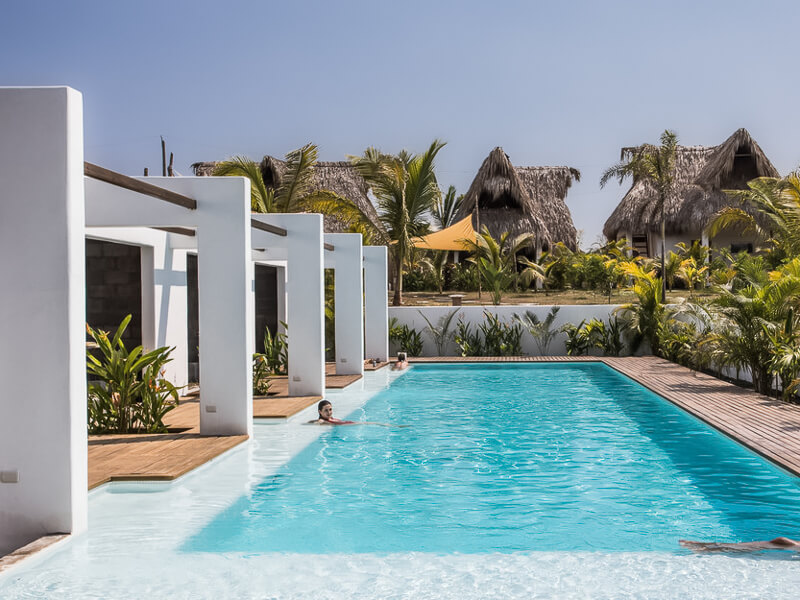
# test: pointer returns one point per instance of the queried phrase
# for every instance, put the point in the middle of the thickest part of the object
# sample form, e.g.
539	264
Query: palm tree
296	191
445	208
406	189
496	259
778	202
658	165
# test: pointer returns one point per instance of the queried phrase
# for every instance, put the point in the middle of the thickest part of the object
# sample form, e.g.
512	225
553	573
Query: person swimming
325	411
401	363
779	543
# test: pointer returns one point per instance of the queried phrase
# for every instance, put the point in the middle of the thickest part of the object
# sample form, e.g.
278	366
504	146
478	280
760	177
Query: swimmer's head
325	409
401	356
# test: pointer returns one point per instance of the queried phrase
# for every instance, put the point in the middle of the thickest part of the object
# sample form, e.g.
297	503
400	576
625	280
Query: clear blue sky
553	83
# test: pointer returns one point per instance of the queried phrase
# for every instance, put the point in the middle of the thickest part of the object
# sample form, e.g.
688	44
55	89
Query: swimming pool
514	480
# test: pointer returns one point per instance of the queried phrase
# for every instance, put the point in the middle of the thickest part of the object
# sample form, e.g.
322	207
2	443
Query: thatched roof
522	200
339	177
701	175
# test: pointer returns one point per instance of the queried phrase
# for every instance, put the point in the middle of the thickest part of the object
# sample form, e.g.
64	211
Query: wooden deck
163	457
767	426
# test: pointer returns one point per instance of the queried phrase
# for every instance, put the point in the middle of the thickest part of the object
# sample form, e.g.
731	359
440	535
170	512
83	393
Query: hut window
736	248
268	176
744	169
504	200
639	243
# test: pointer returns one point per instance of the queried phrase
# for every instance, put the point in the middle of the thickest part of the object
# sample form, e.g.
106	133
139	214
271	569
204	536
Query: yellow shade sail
451	238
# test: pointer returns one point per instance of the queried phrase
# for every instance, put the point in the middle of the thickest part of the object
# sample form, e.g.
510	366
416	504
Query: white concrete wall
42	313
410	315
225	278
347	262
376	309
164	292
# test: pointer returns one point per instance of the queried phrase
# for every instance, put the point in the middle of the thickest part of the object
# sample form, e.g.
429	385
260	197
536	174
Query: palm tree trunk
397	300
663	252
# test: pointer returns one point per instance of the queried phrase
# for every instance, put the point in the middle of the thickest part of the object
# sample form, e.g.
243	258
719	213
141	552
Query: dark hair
401	356
322	404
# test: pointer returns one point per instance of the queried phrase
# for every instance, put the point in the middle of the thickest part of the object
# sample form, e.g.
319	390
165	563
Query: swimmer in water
779	543
401	363
325	411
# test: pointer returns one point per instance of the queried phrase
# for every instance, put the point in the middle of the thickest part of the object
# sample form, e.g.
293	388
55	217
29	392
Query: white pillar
376	307
349	299
305	292
226	315
629	242
43	442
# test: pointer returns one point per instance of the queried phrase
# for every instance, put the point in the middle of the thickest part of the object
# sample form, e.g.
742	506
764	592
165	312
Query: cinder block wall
114	288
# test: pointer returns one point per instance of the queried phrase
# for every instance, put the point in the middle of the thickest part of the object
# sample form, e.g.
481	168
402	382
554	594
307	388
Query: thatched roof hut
701	175
339	177
522	200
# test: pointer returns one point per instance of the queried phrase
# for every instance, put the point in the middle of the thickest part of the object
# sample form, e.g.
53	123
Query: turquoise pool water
510	458
579	488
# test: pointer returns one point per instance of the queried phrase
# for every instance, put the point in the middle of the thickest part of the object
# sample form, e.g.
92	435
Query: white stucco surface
347	263
474	315
43	437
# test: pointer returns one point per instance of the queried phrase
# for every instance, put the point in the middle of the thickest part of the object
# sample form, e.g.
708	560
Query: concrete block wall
114	288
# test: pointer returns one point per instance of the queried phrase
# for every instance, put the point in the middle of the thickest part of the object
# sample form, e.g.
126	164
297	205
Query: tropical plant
158	397
643	319
541	330
671	267
406	190
577	342
469	342
115	397
409	340
656	164
464	277
295	193
558	266
445	208
261	375
496	259
747	324
692	274
777	202
500	338
276	351
441	334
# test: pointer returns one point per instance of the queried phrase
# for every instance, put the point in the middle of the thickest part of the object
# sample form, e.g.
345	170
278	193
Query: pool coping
764	425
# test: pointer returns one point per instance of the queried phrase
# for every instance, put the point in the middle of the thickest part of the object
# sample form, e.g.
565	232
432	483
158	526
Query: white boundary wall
410	315
43	441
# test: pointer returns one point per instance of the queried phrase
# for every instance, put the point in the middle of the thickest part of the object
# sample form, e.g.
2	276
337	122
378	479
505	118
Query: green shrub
406	339
499	338
469	342
276	352
577	342
463	277
261	373
130	393
420	280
